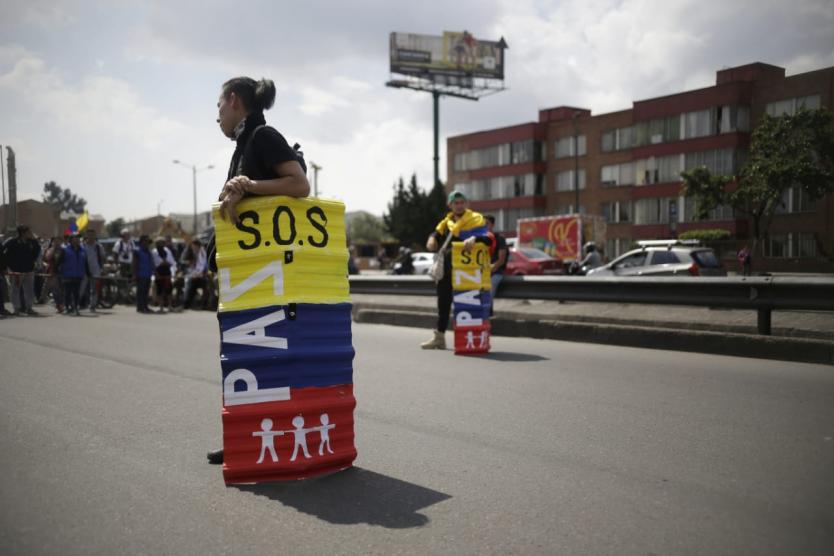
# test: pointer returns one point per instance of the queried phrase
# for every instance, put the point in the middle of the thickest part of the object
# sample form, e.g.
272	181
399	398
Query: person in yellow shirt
464	225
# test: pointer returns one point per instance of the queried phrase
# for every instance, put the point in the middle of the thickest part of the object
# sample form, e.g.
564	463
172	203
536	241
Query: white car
422	262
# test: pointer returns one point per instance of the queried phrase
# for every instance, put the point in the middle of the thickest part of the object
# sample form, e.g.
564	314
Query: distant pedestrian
73	265
22	253
4	286
498	257
164	266
744	258
195	276
142	273
124	249
460	224
91	284
51	258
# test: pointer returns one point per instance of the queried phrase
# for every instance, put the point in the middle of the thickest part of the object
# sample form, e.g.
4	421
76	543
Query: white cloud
97	104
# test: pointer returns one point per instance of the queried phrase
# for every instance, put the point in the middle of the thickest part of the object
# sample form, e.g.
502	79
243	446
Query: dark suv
664	258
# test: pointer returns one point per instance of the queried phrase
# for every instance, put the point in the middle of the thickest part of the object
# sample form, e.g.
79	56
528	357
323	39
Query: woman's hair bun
265	94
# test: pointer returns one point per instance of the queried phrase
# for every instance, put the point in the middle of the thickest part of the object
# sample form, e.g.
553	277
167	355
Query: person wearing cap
22	252
123	249
464	225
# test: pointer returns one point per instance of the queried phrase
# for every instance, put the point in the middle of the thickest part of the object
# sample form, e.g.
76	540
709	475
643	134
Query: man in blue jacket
142	272
73	268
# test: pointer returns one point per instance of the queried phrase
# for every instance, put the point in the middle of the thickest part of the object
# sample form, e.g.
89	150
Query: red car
529	261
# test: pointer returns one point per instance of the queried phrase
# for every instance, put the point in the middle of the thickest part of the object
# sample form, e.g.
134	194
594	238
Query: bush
706	236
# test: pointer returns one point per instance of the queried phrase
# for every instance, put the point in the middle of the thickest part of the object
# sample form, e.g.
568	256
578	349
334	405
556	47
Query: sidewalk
797	335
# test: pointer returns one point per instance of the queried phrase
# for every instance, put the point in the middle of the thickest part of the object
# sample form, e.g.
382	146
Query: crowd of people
68	272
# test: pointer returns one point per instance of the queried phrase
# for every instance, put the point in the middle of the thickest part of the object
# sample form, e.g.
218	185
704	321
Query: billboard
561	236
453	55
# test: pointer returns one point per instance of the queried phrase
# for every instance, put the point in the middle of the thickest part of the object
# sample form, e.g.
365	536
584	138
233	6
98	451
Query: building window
566	146
723	212
791	106
653	211
805	246
801	200
617	174
732	118
725	162
778	246
616	211
608	141
523	152
618	139
699	123
565	180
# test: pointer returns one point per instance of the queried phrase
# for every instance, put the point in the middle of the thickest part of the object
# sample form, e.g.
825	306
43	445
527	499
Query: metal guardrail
763	294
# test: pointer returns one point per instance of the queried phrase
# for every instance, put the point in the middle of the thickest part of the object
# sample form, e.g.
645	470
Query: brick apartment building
627	164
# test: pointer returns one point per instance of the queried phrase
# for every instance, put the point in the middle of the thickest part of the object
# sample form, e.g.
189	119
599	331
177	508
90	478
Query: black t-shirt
259	148
500	243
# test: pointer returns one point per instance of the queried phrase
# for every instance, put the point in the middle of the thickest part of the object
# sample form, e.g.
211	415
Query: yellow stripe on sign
470	271
283	250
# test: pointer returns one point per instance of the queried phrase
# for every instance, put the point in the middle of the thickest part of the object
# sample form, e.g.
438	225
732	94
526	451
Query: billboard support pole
436	96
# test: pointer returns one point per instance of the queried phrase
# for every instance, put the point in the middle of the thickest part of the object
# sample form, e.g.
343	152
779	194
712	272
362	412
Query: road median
720	335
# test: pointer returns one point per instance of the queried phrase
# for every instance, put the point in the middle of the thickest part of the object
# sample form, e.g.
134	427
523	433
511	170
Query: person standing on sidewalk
51	258
142	272
73	265
263	162
498	257
4	286
124	249
464	225
195	276
744	258
22	253
95	260
164	266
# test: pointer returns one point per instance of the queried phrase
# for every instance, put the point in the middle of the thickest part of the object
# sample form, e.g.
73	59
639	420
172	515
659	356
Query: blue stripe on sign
476	312
299	345
466	234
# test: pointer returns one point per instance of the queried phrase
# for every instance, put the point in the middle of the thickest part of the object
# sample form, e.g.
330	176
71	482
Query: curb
803	350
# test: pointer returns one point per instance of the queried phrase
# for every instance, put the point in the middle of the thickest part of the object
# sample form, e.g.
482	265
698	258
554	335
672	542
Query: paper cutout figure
300	437
470	340
324	430
268	440
484	339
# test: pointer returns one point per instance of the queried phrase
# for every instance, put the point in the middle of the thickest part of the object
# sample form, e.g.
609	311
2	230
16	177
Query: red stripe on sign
310	434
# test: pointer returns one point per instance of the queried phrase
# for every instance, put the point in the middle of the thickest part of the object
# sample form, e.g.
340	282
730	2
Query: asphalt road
542	447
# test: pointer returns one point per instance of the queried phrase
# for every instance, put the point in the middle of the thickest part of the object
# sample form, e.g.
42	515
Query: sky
101	96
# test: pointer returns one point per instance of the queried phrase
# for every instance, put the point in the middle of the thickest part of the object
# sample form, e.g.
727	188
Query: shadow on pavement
355	496
513	357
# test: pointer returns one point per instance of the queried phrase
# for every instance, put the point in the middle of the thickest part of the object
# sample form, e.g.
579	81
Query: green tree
367	228
785	151
115	227
413	214
62	198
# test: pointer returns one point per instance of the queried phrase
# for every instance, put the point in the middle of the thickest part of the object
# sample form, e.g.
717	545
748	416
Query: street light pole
194	171
316	169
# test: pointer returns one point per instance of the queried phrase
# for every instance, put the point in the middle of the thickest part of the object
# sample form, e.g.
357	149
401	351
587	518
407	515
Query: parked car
664	258
422	262
529	260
